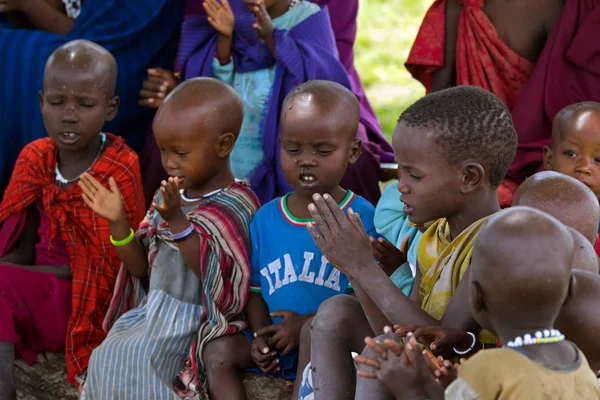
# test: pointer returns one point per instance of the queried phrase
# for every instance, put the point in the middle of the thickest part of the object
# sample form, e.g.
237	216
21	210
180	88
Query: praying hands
342	239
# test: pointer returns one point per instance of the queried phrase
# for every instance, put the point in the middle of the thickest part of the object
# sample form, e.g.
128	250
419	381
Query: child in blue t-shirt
290	275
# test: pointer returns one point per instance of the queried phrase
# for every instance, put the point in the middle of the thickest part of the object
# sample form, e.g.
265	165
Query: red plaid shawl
94	262
482	58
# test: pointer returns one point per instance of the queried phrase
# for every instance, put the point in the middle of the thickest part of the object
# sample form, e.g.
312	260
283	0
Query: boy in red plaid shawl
57	266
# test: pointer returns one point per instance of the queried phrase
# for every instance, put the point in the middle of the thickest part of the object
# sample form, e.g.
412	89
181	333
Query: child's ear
226	143
113	107
548	159
355	151
41	99
571	290
473	176
476	297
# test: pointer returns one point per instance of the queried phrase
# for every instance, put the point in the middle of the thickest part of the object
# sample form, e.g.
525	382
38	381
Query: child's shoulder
38	147
117	147
269	210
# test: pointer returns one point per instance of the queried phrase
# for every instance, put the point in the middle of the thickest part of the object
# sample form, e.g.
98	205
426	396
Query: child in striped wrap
192	247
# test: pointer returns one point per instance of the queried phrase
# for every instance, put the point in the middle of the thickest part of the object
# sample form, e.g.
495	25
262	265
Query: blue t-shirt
288	268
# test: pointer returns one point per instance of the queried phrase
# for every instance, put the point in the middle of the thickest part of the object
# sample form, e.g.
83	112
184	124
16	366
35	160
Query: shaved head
206	101
324	99
520	269
563	197
83	56
572	117
584	255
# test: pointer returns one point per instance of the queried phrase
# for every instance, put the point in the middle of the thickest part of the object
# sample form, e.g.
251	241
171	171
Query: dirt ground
46	380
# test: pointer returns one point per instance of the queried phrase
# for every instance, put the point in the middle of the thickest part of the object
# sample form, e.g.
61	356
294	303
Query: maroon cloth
567	72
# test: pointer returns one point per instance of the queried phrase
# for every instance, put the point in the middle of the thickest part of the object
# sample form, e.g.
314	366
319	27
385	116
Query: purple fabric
306	52
343	14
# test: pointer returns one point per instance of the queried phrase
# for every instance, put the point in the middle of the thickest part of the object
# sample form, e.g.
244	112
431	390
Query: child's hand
286	334
171	205
262	356
108	204
446	372
155	89
400	370
220	16
443	339
264	25
388	256
404	330
342	239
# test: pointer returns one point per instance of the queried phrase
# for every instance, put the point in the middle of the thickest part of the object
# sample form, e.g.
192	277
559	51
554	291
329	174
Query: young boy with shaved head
58	268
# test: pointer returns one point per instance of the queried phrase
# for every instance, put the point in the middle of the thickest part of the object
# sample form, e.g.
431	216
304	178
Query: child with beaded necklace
520	279
192	247
57	267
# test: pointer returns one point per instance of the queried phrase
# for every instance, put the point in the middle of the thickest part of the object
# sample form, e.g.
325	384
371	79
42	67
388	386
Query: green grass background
386	31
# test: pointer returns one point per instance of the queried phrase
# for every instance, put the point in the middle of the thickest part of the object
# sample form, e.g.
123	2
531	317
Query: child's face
75	105
315	152
429	184
577	154
188	151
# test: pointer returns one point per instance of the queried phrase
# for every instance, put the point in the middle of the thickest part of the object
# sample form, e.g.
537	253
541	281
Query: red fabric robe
93	260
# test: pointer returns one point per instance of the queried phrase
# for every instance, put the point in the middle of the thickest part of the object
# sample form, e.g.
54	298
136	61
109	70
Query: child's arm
46	15
24	251
258	318
346	245
446	76
23	255
170	210
220	17
108	204
264	25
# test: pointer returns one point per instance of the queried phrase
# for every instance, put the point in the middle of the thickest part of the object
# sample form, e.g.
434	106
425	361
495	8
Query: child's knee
224	354
336	315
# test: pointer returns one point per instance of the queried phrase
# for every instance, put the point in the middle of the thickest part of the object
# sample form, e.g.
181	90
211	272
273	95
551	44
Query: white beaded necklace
61	179
195	199
546	336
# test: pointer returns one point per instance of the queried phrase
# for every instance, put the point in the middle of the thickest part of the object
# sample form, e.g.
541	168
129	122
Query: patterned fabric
482	58
94	262
443	263
140	34
568	52
305	52
223	223
145	348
